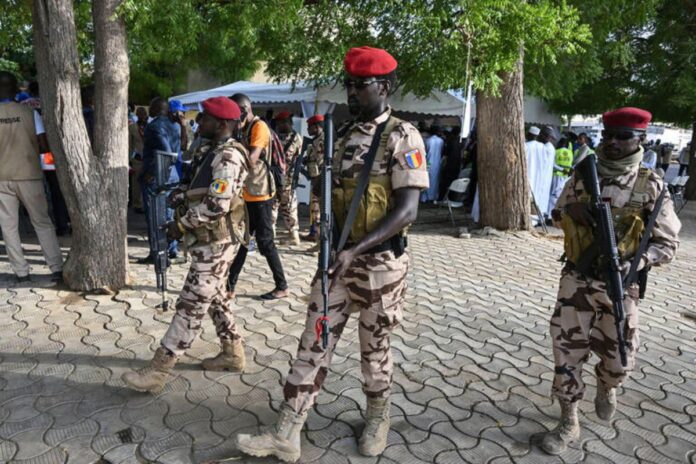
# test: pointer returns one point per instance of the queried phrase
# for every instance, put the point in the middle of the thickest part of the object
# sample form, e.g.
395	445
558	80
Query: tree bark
94	180
503	185
690	192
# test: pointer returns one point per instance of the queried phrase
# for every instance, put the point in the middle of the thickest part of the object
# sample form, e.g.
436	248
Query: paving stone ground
472	377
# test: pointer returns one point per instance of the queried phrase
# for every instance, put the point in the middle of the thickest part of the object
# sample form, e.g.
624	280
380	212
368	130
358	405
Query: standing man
369	276
22	138
136	133
583	149
665	156
215	222
684	159
583	321
433	146
259	191
161	134
540	168
561	171
315	161
286	202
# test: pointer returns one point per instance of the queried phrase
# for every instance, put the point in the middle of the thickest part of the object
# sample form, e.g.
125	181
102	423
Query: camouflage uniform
205	286
374	285
583	320
286	202
315	161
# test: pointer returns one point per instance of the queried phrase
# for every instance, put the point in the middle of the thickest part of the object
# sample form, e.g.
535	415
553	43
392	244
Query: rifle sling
362	184
647	233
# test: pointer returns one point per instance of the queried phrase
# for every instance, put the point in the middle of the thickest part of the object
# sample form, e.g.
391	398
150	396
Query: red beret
283	115
368	61
222	108
627	118
315	119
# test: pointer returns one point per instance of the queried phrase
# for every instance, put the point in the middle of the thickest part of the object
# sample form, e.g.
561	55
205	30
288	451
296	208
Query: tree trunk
690	193
94	180
503	184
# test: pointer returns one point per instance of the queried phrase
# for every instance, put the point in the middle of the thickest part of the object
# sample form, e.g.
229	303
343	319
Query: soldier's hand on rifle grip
174	230
580	213
340	266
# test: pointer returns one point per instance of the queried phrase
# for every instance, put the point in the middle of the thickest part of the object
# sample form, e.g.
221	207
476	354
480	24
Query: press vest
19	147
564	159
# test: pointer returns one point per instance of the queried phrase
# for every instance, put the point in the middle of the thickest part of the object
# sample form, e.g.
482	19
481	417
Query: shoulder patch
219	186
413	158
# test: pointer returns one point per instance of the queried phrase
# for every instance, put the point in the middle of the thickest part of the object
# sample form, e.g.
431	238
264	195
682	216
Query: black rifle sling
647	233
362	184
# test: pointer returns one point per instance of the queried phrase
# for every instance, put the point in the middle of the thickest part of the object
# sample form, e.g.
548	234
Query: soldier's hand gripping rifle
158	220
322	327
608	251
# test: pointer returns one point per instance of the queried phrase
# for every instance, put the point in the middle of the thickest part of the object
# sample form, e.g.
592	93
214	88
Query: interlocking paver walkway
472	377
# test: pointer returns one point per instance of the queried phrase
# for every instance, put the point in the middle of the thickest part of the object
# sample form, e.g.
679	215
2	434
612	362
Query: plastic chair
676	188
457	189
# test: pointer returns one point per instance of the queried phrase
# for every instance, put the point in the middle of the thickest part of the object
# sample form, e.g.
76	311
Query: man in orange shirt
259	192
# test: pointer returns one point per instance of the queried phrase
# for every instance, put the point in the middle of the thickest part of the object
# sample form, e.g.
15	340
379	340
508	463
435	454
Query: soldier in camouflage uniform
583	320
315	162
286	202
213	225
369	276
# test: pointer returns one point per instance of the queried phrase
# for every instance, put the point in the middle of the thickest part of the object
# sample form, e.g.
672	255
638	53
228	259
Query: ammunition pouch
373	206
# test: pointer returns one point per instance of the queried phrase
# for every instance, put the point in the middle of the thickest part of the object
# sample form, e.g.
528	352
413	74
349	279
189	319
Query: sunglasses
360	84
619	134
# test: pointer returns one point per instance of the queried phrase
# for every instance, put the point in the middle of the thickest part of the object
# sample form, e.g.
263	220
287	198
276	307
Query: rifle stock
606	239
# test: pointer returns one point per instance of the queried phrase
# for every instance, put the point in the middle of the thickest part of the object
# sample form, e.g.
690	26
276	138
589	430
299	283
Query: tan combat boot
374	437
567	431
605	401
153	377
282	441
294	238
231	358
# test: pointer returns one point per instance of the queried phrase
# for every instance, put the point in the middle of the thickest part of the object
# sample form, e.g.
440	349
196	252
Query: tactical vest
233	225
564	159
629	224
377	199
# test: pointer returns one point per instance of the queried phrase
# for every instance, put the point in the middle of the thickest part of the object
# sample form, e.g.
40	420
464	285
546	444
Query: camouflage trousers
204	291
374	286
583	323
314	210
286	204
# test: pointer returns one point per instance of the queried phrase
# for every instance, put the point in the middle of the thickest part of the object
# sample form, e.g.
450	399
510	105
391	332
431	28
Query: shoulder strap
392	122
362	184
639	195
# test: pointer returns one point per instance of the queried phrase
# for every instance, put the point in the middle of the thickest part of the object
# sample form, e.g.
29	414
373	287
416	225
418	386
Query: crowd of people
227	183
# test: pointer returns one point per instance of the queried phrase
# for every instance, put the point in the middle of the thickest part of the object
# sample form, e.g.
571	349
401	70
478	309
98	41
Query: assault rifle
322	327
159	245
605	239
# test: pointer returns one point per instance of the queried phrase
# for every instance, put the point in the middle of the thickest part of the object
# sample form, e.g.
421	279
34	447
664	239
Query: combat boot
231	358
154	376
567	431
374	437
282	441
605	401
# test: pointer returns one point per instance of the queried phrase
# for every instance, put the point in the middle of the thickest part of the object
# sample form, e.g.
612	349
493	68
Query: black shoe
149	259
22	279
57	276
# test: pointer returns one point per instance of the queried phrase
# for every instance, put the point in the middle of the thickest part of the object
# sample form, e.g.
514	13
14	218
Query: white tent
308	94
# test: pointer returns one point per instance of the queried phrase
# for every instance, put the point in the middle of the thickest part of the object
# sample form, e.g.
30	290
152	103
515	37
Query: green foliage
428	38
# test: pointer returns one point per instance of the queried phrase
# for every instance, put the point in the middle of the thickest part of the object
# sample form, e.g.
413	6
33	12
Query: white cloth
475	209
540	160
684	156
649	159
433	149
38	123
29	193
557	184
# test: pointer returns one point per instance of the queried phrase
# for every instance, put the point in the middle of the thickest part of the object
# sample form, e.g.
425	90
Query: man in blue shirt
161	134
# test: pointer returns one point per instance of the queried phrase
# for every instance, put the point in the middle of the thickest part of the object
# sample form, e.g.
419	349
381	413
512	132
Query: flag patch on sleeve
414	159
219	186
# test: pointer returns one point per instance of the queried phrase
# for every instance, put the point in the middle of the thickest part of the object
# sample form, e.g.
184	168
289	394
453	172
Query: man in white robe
541	155
433	148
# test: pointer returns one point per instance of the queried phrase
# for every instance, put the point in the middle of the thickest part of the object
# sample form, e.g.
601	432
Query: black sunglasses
360	84
620	134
